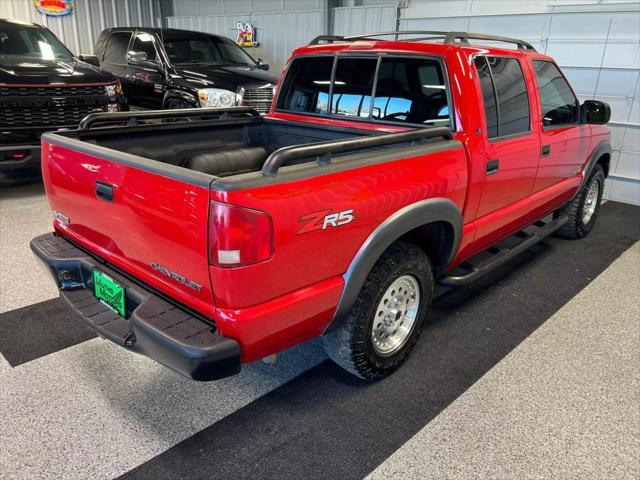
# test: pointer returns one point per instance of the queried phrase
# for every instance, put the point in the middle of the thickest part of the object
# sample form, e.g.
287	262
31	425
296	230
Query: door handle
546	150
104	191
493	166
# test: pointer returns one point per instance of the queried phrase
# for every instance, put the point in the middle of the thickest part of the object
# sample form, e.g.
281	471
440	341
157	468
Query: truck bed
141	197
220	149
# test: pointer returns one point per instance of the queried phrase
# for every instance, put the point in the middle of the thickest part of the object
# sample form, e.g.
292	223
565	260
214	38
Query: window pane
513	100
144	43
559	105
488	96
411	90
306	87
31	42
116	49
184	48
352	86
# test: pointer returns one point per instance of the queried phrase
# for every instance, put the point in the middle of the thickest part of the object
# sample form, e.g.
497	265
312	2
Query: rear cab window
405	90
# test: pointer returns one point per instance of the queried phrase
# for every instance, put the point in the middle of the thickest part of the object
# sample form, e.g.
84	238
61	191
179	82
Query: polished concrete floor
563	403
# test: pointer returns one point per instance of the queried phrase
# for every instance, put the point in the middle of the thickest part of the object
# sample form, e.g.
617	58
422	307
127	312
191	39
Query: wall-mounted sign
55	8
246	35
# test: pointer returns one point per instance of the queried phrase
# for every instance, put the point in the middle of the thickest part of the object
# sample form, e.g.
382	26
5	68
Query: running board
501	256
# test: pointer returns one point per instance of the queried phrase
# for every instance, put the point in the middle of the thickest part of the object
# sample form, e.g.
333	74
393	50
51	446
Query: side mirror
90	59
595	112
262	65
138	58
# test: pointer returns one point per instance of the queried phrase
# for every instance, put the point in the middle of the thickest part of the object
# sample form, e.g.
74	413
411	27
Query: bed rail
132	119
323	151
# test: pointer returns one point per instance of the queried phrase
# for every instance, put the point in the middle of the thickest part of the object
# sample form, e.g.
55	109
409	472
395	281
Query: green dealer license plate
109	292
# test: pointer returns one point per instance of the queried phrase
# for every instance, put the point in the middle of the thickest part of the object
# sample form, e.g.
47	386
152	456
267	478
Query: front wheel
583	209
387	317
176	103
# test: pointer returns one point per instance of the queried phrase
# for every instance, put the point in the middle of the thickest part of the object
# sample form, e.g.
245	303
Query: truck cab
43	87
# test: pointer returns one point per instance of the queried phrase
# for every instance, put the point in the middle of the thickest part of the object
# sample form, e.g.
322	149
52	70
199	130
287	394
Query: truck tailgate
150	223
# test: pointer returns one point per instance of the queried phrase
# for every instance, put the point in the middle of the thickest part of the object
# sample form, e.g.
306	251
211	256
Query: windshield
31	42
205	50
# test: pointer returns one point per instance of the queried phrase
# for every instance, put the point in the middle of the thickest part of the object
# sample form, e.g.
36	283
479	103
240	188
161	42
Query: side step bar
501	256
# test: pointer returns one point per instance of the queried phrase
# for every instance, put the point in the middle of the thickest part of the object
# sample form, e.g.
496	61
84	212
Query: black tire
350	345
174	103
576	227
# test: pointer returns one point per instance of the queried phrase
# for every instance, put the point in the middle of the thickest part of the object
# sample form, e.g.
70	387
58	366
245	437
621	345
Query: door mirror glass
262	64
90	59
136	58
595	112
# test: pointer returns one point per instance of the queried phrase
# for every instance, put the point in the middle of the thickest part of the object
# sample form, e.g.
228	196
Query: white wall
597	43
243	7
363	19
80	29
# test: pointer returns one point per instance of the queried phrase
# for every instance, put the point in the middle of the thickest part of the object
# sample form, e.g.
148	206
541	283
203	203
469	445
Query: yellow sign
246	35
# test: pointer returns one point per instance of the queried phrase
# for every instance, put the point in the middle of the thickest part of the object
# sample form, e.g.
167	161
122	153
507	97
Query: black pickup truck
43	87
169	68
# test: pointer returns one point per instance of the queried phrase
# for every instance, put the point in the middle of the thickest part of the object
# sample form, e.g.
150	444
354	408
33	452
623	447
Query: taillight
238	236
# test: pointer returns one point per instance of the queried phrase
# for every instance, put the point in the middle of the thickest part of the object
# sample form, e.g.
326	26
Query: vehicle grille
259	98
49	107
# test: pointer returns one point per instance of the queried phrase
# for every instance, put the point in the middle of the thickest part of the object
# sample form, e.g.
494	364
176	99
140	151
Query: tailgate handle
104	191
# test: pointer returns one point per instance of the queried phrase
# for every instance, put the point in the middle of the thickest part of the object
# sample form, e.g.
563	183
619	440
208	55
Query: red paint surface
292	296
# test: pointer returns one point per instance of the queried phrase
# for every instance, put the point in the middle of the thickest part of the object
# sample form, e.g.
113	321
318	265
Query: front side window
559	104
406	90
505	96
116	50
144	43
29	42
200	49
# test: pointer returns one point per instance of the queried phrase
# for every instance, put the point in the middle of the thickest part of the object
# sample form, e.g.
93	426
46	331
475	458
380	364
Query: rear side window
306	87
116	49
353	86
559	104
411	90
505	96
406	90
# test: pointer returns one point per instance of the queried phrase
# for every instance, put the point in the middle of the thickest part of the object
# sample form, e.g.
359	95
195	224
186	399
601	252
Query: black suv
167	68
43	87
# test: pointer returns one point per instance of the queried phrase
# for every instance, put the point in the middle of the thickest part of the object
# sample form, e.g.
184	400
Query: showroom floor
531	373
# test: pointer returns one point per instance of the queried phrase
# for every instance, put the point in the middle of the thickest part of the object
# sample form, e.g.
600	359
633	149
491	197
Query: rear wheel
583	209
387	317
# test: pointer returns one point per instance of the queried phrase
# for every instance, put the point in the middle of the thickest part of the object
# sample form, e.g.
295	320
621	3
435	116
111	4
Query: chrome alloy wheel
395	315
590	202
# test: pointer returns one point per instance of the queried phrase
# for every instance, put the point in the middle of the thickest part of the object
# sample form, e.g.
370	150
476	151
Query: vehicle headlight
113	90
217	97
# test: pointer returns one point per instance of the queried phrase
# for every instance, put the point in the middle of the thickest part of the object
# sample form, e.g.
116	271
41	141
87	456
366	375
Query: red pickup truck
208	238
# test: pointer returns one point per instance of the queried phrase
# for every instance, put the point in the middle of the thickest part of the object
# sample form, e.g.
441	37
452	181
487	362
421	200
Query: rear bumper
154	327
19	162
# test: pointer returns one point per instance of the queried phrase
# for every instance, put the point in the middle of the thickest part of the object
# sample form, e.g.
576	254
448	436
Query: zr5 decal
325	219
